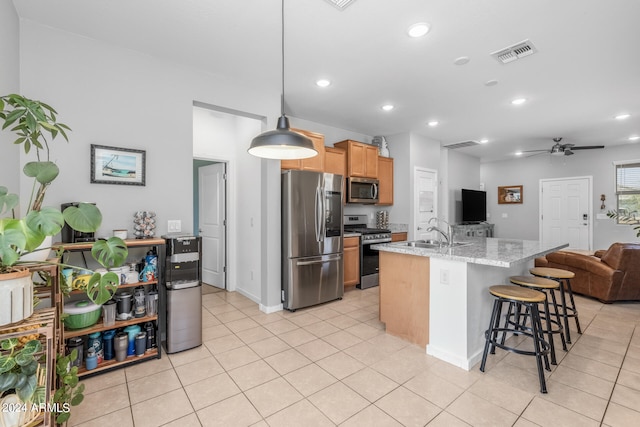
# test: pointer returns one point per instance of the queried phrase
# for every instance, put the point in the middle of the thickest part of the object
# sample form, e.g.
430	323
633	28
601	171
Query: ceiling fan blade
535	151
587	147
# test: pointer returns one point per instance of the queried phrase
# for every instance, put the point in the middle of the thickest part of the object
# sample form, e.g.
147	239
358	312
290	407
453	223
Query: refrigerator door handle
320	260
319	215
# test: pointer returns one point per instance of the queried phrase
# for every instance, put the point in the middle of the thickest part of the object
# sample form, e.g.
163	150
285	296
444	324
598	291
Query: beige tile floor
334	365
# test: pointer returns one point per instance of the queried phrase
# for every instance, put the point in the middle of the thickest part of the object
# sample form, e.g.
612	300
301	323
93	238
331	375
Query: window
628	192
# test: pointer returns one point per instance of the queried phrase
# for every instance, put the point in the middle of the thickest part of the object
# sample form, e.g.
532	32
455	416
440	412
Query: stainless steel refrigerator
312	264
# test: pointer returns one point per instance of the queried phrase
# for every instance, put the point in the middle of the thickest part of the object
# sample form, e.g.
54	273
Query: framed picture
114	165
509	195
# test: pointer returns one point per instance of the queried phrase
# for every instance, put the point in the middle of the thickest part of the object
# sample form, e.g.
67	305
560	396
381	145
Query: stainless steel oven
369	258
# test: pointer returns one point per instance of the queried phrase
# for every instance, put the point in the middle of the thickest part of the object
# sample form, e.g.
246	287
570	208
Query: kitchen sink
433	244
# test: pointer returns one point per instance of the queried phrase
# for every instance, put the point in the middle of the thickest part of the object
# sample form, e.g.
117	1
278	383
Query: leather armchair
609	275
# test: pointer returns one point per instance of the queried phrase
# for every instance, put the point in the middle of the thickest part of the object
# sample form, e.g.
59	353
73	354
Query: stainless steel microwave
362	190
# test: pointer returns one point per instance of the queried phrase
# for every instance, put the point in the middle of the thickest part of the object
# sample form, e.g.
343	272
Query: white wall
9	83
522	219
223	136
331	134
463	172
117	97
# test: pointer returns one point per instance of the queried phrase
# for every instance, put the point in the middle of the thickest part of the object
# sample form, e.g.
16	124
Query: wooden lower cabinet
351	257
399	237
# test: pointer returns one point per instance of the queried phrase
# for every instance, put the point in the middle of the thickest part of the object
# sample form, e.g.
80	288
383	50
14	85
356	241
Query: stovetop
367	230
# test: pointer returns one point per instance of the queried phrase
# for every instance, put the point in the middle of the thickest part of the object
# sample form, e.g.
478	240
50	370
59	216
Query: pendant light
282	143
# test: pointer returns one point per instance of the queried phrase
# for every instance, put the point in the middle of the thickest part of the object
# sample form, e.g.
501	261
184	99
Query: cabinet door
371	161
362	159
385	176
357	160
398	237
351	257
315	163
335	161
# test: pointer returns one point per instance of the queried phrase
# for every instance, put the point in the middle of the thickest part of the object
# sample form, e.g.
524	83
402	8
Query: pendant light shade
282	143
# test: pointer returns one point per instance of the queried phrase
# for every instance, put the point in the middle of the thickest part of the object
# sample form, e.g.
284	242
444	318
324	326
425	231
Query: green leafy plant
19	368
70	390
625	219
34	123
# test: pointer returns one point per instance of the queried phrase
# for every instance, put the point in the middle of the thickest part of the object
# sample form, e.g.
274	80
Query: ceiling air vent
461	144
516	51
341	4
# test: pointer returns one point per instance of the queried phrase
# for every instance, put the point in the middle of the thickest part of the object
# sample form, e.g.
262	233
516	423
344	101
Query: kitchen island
438	297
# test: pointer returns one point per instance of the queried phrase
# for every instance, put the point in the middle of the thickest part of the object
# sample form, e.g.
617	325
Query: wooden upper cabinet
385	178
362	159
335	161
315	163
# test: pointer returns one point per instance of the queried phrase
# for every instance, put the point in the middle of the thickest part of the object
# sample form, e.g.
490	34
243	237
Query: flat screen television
474	206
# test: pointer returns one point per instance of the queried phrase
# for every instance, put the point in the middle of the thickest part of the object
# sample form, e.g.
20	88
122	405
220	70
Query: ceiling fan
564	149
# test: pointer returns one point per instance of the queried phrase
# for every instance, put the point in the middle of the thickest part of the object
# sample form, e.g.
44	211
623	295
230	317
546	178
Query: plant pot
41	253
13	412
16	296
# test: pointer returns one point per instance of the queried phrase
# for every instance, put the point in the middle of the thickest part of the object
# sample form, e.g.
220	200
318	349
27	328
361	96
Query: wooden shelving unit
156	353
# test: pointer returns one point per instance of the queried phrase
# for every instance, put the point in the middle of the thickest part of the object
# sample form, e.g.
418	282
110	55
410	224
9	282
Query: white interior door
425	202
212	223
565	209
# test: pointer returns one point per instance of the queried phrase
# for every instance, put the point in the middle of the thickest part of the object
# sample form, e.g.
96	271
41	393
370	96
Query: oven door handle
320	260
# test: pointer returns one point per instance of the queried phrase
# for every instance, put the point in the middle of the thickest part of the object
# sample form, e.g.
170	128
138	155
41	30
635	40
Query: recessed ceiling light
623	116
491	82
462	60
323	83
483	141
519	101
433	123
518	153
634	138
387	107
418	30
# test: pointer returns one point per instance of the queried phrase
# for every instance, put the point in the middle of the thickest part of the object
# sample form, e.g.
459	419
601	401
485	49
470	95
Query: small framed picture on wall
510	194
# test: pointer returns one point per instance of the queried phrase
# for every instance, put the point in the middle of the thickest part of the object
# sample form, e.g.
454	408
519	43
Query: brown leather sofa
609	275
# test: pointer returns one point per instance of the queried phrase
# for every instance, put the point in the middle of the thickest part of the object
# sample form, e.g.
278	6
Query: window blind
628	178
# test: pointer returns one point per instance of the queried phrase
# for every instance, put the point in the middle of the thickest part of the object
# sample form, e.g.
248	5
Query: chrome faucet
448	235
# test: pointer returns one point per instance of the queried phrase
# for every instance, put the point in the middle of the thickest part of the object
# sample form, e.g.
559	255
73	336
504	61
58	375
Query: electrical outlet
504	215
174	225
444	277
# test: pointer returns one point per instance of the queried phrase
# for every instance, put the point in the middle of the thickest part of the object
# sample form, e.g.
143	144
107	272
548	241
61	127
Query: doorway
566	212
425	206
212	222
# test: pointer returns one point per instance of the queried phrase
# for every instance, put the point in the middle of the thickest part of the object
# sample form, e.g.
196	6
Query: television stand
479	229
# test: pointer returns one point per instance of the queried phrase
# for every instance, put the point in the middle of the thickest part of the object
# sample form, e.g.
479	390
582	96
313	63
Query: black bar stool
563	277
553	326
525	301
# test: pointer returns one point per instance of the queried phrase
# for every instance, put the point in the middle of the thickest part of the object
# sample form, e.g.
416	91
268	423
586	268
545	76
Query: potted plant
36	126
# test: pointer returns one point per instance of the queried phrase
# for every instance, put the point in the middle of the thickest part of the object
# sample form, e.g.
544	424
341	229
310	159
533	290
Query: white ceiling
586	70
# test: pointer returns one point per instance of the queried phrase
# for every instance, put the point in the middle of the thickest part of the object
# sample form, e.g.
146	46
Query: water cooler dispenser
183	287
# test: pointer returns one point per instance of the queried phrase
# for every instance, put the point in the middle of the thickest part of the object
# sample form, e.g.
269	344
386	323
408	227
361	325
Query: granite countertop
487	251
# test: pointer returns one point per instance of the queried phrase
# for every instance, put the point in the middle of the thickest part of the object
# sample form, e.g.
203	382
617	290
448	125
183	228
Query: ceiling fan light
557	151
282	143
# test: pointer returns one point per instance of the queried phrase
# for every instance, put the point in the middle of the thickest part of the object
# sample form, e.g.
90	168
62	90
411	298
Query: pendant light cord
282	48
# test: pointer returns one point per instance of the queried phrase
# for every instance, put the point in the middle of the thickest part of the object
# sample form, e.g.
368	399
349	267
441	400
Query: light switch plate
174	225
